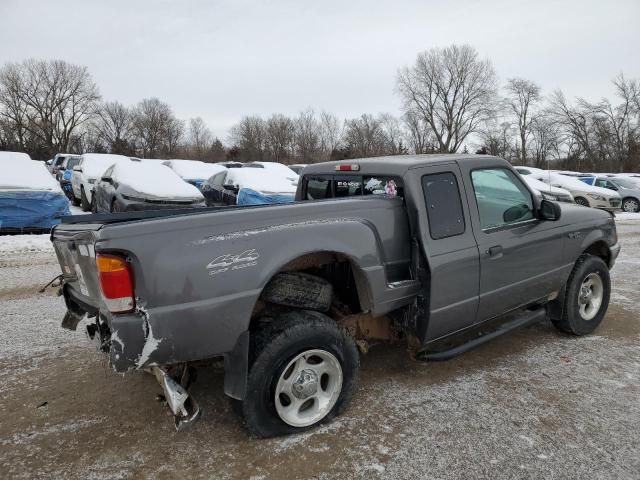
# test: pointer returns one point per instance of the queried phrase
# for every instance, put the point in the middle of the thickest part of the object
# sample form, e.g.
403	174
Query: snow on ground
25	243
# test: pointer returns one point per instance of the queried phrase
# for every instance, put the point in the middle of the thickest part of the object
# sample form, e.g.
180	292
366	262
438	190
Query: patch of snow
154	180
14	156
25	243
26	174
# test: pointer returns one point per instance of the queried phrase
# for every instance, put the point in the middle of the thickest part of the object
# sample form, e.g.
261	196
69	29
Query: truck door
520	255
447	240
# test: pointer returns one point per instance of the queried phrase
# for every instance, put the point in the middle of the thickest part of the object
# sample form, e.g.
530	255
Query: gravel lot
532	404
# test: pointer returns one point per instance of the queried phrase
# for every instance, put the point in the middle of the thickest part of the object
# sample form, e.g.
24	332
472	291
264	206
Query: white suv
89	169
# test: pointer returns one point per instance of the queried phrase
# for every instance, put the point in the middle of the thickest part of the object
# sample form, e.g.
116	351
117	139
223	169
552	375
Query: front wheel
631	205
304	372
582	201
587	296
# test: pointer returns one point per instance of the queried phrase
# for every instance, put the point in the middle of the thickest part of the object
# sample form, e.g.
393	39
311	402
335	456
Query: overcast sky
224	59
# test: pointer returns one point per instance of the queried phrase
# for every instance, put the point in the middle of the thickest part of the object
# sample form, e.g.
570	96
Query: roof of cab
394	164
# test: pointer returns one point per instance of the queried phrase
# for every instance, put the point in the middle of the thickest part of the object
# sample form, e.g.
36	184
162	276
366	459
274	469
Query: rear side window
444	206
318	188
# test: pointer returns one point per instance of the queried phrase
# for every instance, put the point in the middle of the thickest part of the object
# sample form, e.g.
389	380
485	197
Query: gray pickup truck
444	252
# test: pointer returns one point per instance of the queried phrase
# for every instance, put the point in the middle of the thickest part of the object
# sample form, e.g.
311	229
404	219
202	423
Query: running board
520	321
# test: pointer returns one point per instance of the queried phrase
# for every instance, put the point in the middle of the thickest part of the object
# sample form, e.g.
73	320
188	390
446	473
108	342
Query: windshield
72	162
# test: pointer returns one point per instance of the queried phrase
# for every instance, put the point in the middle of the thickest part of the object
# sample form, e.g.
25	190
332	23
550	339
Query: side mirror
107	179
549	210
77	168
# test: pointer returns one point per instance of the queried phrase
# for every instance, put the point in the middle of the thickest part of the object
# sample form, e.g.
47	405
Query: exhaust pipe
184	408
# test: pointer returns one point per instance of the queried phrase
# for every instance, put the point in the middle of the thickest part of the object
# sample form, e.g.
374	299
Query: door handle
495	251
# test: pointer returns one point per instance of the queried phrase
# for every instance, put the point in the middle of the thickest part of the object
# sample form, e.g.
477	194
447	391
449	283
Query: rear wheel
299	290
587	296
631	205
582	201
304	372
84	203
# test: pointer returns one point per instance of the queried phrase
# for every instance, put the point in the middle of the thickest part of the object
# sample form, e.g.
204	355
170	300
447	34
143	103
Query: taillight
116	283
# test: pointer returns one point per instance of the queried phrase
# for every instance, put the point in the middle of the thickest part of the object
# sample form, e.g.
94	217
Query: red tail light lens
352	167
116	283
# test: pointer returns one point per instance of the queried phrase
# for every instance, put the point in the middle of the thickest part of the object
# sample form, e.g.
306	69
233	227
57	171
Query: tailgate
74	246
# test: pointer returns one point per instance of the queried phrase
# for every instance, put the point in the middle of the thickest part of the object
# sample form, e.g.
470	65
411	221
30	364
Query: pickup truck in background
428	249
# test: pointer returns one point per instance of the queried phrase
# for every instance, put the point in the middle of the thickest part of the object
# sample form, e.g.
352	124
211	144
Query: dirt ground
533	404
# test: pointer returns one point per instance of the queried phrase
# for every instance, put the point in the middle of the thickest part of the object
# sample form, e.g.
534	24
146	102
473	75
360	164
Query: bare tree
420	138
199	138
497	139
280	134
452	90
112	127
153	124
307	137
248	137
331	130
522	97
51	100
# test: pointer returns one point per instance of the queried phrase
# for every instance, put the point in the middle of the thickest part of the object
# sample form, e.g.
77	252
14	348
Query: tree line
451	102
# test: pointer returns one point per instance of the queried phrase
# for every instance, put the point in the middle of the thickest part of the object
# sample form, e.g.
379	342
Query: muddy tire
303	372
84	203
587	296
299	290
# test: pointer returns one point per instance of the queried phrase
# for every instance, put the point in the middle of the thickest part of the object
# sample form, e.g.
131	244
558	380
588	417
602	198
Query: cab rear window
342	186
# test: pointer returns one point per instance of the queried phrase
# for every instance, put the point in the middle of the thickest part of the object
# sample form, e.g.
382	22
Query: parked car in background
276	168
30	199
224	189
297	167
89	169
231	164
194	172
583	194
58	163
66	174
127	186
546	191
549	192
627	188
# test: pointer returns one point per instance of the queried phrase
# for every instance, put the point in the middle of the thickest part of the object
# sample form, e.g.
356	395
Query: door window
601	182
502	198
444	207
318	188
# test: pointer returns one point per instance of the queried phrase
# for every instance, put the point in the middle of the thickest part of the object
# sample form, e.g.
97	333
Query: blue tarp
23	209
246	196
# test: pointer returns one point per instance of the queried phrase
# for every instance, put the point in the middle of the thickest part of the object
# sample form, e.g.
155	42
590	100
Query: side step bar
520	321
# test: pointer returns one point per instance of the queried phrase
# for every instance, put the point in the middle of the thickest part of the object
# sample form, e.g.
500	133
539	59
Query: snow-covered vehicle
276	168
87	172
583	194
127	186
546	191
31	201
194	172
250	186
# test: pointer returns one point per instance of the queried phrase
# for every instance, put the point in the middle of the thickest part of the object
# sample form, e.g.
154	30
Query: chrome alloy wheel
308	388
590	296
